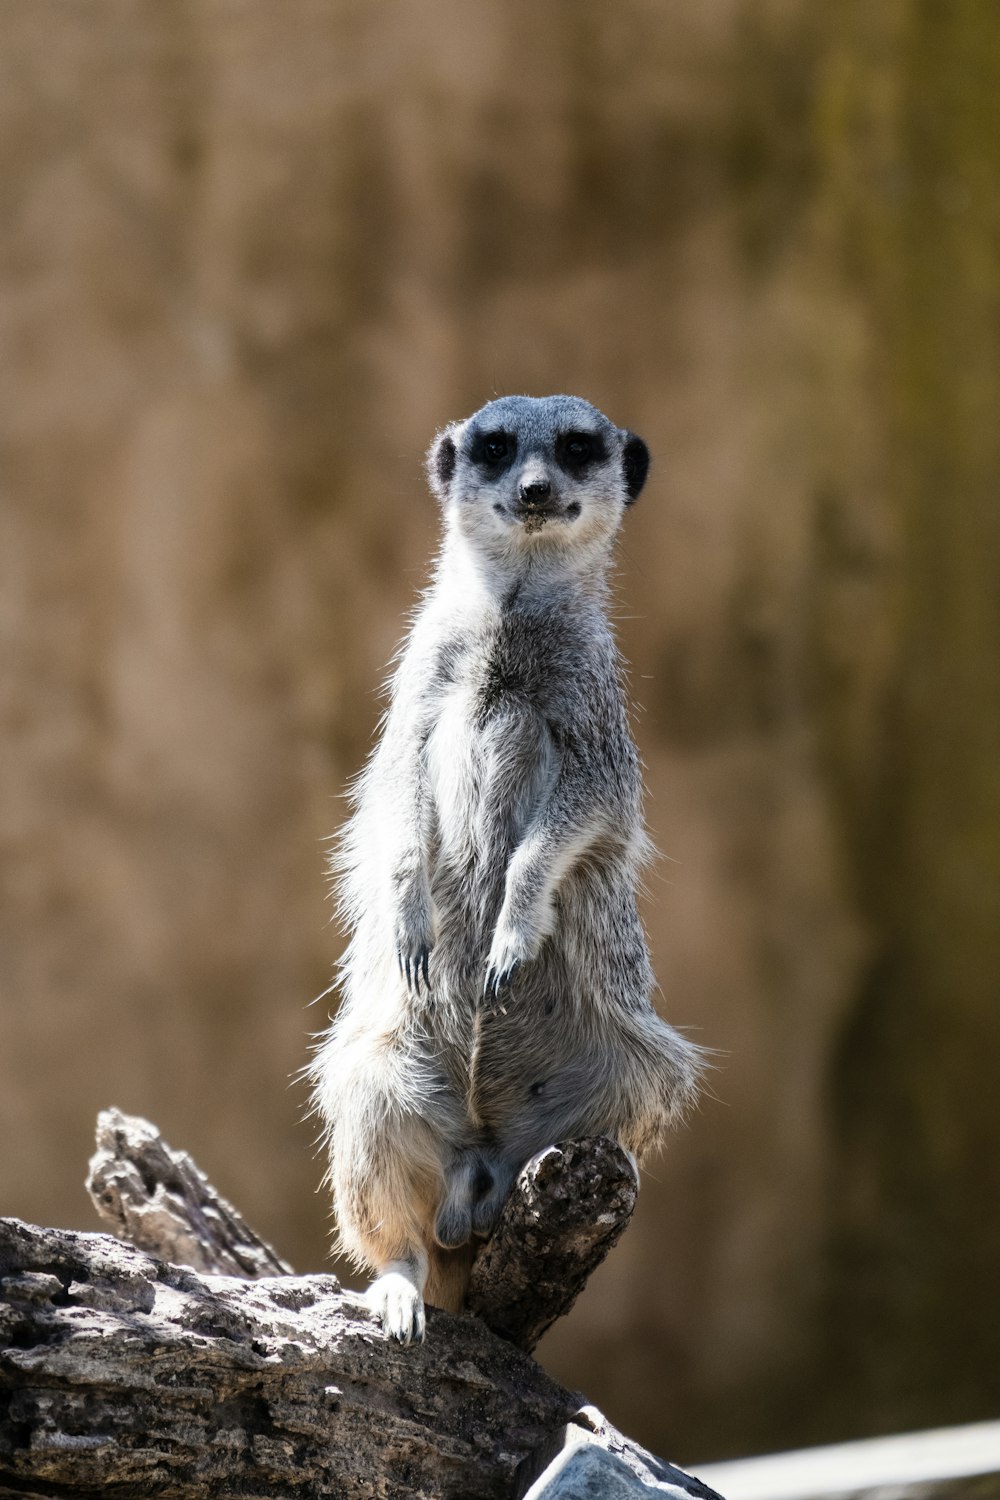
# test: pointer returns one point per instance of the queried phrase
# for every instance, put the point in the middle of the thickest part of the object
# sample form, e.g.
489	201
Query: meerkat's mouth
534	517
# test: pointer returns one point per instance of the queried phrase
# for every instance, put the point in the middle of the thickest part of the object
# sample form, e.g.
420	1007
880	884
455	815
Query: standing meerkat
496	987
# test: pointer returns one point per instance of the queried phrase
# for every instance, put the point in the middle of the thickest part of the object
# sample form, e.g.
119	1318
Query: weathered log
124	1375
127	1376
121	1375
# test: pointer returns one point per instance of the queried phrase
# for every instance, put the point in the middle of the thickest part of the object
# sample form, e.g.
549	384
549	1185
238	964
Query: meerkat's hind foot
493	1186
398	1302
453	1225
476	1190
466	1178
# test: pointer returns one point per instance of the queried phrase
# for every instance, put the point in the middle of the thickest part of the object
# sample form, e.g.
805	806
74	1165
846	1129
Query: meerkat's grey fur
496	988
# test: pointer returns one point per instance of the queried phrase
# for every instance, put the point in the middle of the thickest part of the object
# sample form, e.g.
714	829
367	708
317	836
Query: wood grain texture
159	1200
567	1209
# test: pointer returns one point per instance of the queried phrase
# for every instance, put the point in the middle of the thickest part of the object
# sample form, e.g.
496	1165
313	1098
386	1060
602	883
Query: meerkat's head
549	476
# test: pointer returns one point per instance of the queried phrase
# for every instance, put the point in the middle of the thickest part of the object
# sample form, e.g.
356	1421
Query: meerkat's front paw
399	1307
413	932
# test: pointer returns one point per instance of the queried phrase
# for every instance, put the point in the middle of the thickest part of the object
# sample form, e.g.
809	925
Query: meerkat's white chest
486	772
455	769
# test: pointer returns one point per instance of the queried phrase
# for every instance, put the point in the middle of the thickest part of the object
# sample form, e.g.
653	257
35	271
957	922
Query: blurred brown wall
251	256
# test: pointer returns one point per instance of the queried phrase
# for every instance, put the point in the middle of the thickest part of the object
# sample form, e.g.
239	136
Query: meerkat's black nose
535	492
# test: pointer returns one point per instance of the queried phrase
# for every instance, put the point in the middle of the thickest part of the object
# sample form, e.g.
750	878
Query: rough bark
158	1199
569	1207
121	1375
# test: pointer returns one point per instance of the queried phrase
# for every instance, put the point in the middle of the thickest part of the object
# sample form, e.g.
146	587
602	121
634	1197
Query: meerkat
496	989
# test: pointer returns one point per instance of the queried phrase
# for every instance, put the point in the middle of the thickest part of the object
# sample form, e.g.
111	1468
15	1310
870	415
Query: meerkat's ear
635	466
440	461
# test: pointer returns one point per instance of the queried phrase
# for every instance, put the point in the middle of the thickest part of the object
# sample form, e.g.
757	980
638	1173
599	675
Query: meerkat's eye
491	449
577	449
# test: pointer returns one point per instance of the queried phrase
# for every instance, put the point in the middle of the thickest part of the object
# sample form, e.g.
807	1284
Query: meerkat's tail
448	1276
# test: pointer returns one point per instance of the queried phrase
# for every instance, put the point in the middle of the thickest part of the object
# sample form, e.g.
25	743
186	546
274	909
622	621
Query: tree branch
159	1200
568	1208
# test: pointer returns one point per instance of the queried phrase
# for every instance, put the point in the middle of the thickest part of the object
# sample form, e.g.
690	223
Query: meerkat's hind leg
448	1277
396	1297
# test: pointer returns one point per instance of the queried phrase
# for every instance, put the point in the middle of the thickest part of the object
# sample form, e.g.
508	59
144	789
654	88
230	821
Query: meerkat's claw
497	980
412	965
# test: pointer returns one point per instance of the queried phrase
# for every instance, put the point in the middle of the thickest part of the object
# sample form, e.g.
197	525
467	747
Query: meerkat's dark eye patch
493	450
575	450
